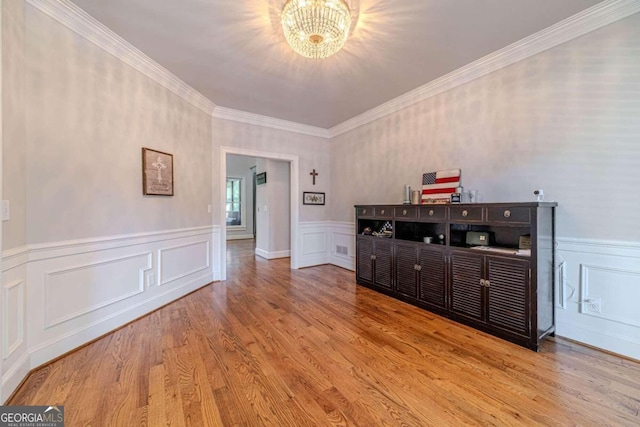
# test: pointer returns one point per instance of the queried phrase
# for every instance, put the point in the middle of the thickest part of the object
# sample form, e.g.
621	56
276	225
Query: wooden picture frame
157	173
312	198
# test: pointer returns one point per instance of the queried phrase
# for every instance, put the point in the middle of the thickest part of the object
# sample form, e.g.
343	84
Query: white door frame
295	199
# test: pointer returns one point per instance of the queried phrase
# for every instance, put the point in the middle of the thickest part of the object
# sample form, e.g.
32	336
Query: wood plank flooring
276	347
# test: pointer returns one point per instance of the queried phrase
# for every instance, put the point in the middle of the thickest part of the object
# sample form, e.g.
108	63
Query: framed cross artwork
157	173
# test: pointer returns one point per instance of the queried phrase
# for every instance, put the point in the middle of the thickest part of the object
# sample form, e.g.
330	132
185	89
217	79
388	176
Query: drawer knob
487	283
481	282
364	211
465	213
507	213
404	212
431	212
382	212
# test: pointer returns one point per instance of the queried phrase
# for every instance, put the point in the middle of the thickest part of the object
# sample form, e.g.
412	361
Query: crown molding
598	16
270	122
589	20
79	21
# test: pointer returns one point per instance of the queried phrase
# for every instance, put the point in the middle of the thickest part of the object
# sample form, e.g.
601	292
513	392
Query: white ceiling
232	52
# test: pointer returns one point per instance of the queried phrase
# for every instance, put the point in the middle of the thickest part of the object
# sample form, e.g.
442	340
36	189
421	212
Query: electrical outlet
593	305
151	279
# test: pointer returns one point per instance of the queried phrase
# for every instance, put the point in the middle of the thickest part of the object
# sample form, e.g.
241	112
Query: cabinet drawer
365	210
435	213
408	212
383	212
512	215
465	213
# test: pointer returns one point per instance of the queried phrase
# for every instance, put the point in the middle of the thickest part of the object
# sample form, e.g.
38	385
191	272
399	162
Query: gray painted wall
565	120
273	231
81	117
14	132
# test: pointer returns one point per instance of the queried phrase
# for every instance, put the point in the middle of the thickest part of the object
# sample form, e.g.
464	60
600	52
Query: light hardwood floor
276	347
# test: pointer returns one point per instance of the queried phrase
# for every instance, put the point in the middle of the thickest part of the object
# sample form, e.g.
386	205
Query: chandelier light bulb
316	28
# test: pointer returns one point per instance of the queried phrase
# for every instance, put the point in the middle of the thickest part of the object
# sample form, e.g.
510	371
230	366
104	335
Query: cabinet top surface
497	204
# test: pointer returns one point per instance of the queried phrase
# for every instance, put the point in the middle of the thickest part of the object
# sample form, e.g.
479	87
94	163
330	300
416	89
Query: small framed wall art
157	173
309	198
261	178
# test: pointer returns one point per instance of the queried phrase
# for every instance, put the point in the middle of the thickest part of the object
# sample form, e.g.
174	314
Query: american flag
438	186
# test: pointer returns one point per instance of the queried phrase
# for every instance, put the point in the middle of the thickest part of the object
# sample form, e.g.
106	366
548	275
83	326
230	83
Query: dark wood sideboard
496	290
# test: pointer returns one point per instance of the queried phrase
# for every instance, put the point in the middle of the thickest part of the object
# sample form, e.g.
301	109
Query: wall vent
342	250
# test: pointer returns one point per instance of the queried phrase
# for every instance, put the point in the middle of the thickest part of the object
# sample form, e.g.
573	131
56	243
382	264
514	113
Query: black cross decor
313	173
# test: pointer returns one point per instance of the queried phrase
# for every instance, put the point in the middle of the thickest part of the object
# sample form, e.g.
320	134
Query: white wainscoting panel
607	272
314	243
13	343
74	291
621	288
342	246
13	317
327	242
180	261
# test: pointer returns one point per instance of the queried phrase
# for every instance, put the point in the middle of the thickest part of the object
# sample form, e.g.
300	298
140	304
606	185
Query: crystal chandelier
316	28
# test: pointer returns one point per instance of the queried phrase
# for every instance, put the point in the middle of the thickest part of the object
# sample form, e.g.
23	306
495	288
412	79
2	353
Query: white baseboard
12	377
348	263
596	337
239	236
273	255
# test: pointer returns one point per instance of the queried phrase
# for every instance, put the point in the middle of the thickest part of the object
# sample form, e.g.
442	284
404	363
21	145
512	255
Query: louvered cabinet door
508	305
432	277
406	263
383	265
466	290
364	265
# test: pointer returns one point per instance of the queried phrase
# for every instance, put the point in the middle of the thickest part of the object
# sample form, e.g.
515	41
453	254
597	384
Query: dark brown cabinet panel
374	261
431	277
507	285
406	269
383	263
467	292
502	289
420	272
364	259
492	290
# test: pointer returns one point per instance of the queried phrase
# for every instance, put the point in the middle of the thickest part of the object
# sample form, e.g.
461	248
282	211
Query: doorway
294	200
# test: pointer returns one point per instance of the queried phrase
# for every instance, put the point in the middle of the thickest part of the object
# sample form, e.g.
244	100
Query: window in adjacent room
235	203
